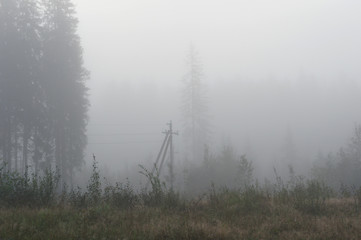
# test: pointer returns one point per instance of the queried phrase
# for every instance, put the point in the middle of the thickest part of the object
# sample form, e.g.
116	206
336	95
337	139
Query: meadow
33	208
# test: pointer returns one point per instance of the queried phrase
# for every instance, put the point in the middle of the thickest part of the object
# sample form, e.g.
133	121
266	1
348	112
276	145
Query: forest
43	93
103	135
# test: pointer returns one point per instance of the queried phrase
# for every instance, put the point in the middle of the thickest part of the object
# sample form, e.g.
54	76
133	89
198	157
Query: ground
338	219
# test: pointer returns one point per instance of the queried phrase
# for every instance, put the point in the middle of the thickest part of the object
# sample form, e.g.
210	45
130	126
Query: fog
189	119
273	70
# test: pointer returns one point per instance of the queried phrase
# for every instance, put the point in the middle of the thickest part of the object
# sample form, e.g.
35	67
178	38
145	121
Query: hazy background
272	69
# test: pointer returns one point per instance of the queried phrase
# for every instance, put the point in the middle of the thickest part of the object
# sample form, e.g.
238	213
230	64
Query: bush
94	190
36	191
156	195
310	196
120	195
77	198
159	195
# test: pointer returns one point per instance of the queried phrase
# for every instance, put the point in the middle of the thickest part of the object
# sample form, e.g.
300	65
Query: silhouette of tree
43	97
194	108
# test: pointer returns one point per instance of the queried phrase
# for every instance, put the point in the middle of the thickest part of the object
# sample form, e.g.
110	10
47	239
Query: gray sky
254	54
235	38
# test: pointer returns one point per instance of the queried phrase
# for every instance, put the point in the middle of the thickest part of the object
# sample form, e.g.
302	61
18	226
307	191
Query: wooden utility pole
167	144
171	162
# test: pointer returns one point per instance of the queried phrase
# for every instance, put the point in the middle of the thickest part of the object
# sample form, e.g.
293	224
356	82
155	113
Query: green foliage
77	198
310	196
120	195
156	194
94	187
159	195
305	195
46	187
17	190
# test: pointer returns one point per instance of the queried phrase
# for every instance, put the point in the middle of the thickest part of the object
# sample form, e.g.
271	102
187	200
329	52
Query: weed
94	187
120	195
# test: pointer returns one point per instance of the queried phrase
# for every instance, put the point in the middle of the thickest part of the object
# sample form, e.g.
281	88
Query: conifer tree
43	97
66	93
196	125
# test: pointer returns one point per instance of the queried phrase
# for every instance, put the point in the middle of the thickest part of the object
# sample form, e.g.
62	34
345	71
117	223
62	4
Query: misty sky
235	38
136	53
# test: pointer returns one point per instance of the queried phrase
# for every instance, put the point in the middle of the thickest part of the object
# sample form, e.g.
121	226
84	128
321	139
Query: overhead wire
121	143
120	134
124	124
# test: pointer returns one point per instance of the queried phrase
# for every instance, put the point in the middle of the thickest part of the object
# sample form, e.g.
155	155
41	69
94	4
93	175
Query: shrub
120	195
310	196
77	198
18	190
159	195
94	190
157	192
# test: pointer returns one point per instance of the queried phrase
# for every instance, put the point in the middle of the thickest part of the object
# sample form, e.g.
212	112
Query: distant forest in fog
264	126
300	122
43	97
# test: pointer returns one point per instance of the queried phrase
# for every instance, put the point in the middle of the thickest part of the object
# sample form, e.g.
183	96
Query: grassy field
194	220
33	208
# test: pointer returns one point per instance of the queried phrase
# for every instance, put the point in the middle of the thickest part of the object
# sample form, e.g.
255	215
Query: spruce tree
64	80
19	70
194	108
43	97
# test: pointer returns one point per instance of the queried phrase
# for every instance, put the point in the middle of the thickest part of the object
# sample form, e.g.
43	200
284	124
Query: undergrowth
306	195
35	207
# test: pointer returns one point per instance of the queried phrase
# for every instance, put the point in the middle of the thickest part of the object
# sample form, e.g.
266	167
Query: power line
120	134
120	143
123	124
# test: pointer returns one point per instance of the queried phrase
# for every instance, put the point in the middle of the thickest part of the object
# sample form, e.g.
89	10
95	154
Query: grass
338	221
301	209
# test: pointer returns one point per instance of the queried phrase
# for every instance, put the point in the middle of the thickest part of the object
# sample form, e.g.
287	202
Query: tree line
43	96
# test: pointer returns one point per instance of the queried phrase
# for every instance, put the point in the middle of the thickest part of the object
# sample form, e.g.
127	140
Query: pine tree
196	125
